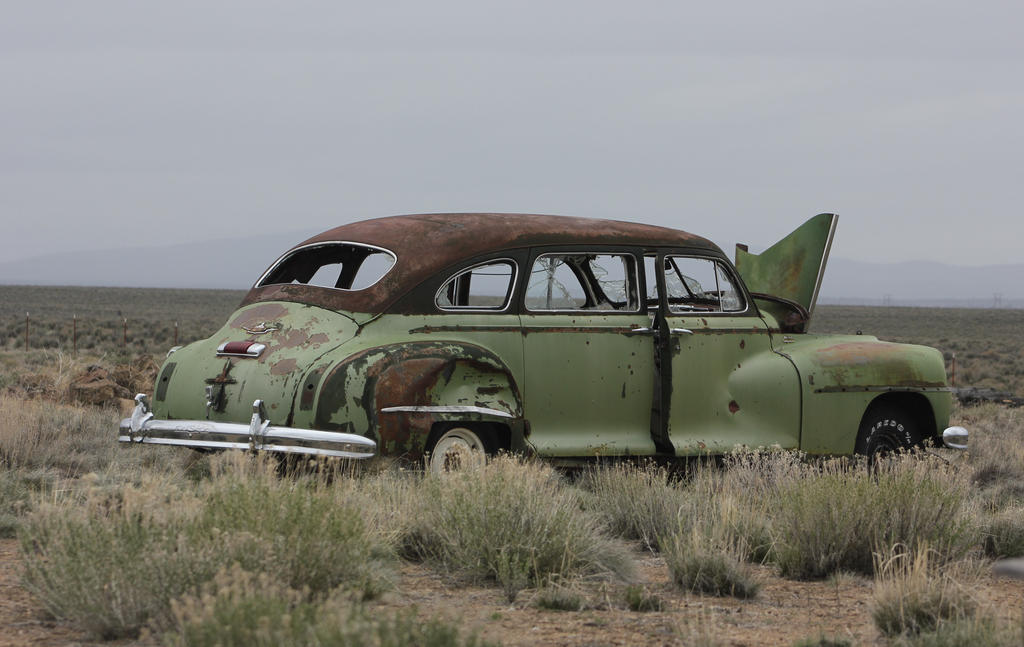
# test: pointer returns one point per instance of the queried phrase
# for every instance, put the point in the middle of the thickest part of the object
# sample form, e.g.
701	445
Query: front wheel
456	450
887	429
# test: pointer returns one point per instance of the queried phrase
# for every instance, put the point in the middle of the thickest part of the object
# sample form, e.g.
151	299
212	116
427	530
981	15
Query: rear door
588	349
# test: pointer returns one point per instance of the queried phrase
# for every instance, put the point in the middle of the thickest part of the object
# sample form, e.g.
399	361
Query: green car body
568	338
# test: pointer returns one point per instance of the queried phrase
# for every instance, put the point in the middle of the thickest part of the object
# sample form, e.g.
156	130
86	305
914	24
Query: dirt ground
784	612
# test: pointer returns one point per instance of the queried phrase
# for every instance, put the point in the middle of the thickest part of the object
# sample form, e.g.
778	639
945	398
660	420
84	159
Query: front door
728	387
588	351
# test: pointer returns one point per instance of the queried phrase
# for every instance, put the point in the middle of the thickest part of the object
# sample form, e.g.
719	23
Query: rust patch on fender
266	312
284	367
733	407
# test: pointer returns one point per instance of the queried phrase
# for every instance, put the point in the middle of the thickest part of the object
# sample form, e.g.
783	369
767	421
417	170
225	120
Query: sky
136	123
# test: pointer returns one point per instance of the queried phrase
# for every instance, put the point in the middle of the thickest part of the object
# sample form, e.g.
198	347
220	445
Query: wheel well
915	404
495	436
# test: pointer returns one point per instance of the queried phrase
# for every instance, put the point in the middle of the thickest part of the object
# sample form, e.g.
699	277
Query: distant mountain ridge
237	263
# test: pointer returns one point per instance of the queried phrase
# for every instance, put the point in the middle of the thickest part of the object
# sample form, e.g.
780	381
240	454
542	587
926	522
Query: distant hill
237	263
231	264
923	283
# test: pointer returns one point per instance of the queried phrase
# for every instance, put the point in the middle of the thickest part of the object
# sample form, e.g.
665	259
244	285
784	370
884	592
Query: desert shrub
700	565
559	597
116	560
997	453
241	609
513	522
645	504
912	596
635	502
112	565
976	632
823	641
299	529
638	598
836	520
69	439
728	515
1004	533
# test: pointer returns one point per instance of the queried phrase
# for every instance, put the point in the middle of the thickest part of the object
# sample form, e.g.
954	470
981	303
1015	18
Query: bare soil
784	612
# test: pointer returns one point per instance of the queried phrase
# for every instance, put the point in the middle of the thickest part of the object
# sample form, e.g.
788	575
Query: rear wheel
459	448
887	429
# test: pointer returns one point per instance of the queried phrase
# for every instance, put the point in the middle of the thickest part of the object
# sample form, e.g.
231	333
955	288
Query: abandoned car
453	336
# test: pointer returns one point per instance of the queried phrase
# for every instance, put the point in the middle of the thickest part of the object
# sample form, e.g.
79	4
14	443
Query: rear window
340	266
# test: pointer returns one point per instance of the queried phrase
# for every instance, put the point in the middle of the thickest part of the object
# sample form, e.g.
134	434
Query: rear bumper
259	434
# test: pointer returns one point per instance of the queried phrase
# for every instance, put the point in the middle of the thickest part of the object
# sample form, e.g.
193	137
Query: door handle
681	331
643	331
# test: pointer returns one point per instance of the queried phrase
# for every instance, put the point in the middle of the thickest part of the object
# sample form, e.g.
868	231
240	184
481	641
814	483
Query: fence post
124	334
74	334
26	331
953	378
175	334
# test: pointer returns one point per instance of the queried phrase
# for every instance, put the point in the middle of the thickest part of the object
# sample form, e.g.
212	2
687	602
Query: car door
728	387
587	354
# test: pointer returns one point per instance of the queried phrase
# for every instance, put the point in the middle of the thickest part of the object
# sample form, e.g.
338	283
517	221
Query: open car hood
785	278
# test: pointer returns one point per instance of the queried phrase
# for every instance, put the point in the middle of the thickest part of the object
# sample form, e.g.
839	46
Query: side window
484	287
700	285
598	282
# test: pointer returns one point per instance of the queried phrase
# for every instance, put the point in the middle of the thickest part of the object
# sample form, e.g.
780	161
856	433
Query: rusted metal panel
428	243
791	269
414	375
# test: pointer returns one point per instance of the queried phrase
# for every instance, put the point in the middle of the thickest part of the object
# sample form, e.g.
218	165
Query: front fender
842	375
395	394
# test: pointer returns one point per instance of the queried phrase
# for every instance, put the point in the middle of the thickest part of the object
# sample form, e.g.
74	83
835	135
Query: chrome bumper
955	438
142	427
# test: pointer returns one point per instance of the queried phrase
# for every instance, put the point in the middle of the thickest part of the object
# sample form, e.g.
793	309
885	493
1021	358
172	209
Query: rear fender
396	394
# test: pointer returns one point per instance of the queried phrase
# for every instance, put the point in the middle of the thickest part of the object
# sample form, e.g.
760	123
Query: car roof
425	244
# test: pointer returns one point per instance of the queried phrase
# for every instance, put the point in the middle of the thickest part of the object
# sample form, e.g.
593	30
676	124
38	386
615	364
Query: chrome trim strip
259	434
821	268
883	389
448	409
326	243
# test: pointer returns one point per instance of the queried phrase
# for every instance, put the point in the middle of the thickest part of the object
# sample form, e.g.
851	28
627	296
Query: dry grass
514	522
82	505
912	596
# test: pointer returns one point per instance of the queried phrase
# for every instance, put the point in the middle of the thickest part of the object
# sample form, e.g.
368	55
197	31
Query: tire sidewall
463	431
887	429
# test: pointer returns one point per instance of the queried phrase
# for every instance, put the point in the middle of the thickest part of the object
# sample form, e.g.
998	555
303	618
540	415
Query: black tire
887	429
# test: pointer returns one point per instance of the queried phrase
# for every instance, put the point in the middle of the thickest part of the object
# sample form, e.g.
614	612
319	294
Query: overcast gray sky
136	123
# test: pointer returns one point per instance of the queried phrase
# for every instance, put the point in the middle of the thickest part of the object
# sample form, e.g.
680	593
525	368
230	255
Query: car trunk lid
262	353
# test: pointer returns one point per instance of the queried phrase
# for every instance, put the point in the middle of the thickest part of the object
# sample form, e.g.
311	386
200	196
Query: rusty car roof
425	244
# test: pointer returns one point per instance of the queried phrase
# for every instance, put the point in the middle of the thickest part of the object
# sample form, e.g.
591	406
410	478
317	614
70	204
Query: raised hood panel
791	269
293	337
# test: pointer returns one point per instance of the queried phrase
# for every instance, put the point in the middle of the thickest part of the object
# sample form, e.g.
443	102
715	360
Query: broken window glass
603	282
341	266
